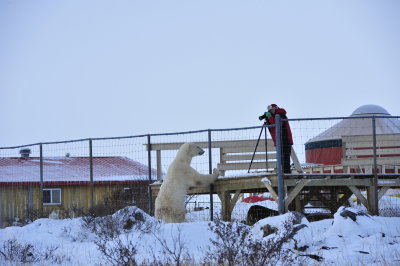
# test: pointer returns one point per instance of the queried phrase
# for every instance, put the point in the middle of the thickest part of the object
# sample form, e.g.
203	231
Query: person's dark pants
286	151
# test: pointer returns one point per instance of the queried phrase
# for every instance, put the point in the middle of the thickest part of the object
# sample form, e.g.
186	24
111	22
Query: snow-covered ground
351	238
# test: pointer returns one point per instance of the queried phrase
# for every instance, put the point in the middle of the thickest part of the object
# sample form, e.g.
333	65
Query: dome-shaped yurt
327	147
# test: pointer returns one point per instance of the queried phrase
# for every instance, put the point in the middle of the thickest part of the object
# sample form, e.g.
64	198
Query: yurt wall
327	147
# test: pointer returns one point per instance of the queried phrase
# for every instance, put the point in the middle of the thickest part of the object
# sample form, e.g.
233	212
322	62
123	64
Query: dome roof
361	126
370	109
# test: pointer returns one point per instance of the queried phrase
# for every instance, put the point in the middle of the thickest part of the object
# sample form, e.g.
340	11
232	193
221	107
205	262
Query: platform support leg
372	200
228	203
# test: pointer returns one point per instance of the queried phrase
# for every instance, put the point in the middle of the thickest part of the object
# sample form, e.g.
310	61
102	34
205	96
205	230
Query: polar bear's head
189	150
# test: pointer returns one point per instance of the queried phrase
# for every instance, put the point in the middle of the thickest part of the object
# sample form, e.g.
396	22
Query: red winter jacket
286	132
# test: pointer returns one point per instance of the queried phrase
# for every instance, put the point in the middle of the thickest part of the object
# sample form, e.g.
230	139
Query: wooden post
221	160
359	196
298	204
228	203
372	198
382	192
271	190
226	211
295	191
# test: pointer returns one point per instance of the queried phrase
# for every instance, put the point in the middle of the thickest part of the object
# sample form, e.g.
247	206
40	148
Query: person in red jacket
286	133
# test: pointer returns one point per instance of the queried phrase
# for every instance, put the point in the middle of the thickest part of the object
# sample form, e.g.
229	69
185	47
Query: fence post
373	195
150	175
210	172
41	177
281	196
91	173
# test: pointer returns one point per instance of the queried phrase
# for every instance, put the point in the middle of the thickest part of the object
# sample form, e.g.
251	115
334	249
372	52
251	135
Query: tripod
266	148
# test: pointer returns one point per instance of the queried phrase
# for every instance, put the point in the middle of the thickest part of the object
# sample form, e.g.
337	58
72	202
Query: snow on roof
351	127
370	109
65	169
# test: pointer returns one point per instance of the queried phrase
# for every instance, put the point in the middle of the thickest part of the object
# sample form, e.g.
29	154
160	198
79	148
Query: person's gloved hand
268	115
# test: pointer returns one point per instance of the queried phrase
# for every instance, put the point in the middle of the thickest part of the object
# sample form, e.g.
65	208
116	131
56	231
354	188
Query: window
52	196
128	195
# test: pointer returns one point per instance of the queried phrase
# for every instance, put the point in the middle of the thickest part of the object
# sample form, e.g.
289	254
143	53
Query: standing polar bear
170	202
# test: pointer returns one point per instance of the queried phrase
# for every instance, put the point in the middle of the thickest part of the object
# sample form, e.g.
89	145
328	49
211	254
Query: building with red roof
64	182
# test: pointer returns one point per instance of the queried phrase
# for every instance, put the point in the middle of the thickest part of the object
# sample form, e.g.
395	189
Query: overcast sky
76	69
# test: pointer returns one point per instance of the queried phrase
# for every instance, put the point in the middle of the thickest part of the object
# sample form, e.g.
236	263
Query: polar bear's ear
186	148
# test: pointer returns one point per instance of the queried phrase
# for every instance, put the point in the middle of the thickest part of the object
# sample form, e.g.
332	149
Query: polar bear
170	201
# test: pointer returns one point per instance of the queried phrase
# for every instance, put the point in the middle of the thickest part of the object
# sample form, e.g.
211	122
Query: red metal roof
72	169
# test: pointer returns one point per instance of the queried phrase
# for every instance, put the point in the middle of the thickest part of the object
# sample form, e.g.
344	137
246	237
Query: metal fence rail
77	175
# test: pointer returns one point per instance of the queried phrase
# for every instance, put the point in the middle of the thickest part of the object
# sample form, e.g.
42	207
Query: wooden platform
353	176
341	186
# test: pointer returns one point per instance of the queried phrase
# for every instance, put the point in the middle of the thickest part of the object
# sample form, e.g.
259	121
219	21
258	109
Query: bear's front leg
200	180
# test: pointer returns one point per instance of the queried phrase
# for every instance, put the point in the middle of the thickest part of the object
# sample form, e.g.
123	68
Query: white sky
76	69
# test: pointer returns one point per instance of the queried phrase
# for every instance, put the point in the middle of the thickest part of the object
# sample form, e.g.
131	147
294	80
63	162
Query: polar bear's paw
216	173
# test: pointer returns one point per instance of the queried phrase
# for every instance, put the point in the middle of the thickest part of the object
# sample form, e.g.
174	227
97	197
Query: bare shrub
34	214
14	252
235	245
74	211
124	220
30	215
174	252
117	251
116	244
230	241
109	232
112	234
104	227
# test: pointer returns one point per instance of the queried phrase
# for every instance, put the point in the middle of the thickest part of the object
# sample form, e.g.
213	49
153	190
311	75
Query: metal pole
91	173
281	199
150	176
375	179
41	176
266	149
210	172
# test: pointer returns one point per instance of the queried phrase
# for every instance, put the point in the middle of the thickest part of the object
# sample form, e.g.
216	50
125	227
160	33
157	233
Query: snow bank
351	238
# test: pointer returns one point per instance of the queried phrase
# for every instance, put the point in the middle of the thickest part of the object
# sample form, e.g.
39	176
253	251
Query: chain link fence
97	176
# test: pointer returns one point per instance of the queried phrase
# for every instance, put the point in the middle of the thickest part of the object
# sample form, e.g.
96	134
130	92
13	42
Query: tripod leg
254	153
